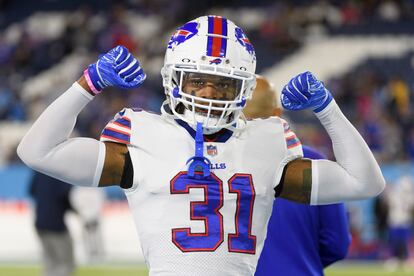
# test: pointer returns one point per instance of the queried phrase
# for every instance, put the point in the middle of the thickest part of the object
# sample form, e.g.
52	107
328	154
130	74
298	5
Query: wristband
90	83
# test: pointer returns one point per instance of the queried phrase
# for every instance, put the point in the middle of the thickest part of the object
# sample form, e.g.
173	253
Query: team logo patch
183	34
211	150
215	61
244	41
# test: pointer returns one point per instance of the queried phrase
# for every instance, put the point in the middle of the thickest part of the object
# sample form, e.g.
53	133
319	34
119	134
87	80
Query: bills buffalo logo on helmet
244	41
183	34
215	61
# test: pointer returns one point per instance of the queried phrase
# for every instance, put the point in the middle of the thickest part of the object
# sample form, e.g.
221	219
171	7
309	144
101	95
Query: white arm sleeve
48	149
355	175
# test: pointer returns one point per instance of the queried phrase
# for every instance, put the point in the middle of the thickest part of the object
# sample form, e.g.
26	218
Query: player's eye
223	85
197	83
227	87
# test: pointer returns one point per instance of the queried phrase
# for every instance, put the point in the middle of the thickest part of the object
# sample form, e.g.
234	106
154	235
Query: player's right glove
117	68
305	91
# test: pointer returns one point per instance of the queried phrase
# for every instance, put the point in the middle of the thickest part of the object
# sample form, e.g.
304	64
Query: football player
199	211
301	239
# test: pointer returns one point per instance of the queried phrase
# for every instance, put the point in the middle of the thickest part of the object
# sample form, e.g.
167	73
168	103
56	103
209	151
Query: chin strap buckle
176	92
199	163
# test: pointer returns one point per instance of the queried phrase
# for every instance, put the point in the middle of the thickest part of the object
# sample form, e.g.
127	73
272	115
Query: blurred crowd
380	105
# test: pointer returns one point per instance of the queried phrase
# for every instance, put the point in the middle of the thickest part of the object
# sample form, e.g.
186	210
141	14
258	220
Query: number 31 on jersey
242	241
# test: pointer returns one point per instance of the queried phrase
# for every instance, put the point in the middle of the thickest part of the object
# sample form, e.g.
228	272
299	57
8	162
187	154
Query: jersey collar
219	137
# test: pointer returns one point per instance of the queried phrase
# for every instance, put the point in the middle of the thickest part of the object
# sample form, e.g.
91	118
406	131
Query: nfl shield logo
211	150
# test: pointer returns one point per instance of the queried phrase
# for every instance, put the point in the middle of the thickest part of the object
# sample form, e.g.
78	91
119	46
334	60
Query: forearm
355	175
47	147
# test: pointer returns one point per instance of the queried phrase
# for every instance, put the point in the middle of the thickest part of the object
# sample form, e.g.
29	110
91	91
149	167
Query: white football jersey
194	225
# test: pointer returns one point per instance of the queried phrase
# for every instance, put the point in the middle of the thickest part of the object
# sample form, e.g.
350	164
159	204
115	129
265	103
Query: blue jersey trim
113	134
222	136
123	121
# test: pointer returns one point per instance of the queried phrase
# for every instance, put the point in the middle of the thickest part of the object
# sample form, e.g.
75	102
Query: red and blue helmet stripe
217	33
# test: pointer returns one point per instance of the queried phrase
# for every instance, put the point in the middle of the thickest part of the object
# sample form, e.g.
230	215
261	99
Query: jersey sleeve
293	144
292	150
118	130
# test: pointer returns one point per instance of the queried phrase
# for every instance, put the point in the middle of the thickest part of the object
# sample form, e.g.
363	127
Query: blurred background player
400	199
51	198
88	204
301	239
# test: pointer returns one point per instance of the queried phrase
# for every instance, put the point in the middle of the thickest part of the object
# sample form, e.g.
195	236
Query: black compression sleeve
128	173
279	188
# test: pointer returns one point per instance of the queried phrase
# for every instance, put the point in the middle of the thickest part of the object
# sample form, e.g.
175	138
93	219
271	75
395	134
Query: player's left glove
117	68
305	91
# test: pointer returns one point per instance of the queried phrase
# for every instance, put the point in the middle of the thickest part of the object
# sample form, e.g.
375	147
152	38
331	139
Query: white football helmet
209	47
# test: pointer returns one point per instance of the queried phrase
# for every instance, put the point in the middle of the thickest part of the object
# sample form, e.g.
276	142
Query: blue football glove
115	68
305	91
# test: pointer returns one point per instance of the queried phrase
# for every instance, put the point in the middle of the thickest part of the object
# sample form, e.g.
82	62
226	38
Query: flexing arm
48	149
80	161
354	175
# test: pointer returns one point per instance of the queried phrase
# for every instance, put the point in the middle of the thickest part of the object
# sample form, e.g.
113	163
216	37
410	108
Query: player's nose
209	91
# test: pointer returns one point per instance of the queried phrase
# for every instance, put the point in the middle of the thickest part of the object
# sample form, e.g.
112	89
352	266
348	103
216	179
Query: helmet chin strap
199	165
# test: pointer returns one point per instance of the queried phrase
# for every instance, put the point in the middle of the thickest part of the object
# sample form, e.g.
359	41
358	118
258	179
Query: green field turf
375	269
24	270
116	270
